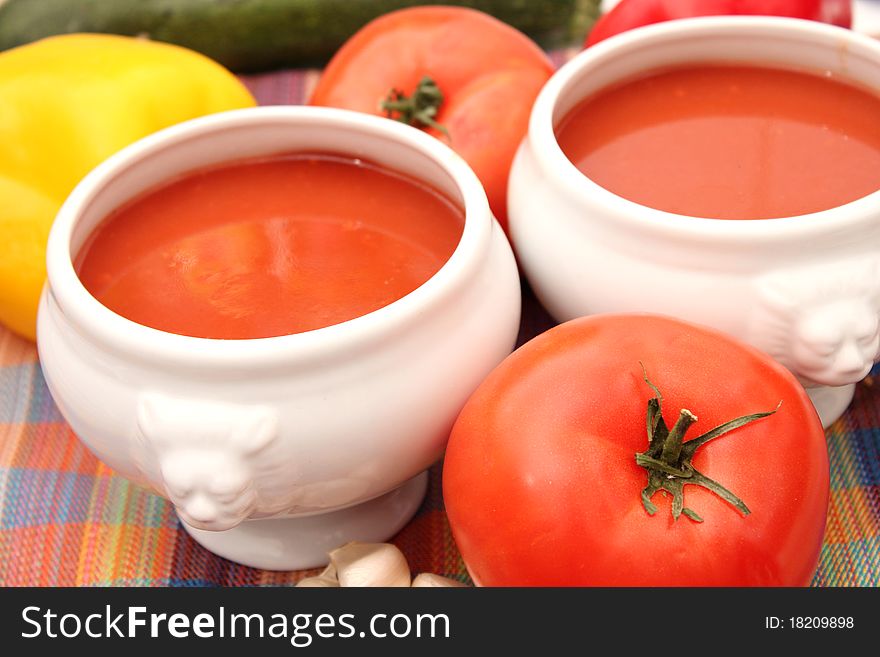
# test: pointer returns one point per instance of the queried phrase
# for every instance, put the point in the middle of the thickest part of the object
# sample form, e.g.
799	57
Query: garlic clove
370	564
327	579
435	581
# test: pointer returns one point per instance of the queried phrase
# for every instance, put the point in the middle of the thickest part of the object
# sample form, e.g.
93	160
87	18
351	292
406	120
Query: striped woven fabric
67	520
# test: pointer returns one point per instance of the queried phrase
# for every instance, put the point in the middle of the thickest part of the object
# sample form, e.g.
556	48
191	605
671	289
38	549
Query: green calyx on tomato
668	458
464	70
419	109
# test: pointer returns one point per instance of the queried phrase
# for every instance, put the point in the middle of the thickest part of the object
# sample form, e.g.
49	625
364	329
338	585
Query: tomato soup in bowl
272	317
729	141
270	246
723	170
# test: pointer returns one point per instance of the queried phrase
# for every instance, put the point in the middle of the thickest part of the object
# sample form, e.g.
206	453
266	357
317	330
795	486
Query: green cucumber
254	35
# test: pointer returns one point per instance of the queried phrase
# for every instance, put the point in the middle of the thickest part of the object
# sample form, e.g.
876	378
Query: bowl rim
102	325
565	175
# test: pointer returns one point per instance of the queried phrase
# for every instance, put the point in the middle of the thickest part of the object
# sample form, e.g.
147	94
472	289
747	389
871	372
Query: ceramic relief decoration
826	331
208	455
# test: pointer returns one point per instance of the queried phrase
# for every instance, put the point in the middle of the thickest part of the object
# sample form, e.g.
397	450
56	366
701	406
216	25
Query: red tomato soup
729	142
269	247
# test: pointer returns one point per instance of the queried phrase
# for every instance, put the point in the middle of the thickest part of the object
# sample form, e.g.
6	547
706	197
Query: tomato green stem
420	109
672	444
668	457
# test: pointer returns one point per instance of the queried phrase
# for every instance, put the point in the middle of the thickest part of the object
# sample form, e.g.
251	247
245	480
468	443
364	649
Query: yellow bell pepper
66	104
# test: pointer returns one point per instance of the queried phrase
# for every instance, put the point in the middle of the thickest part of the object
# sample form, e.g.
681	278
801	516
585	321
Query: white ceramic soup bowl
804	289
276	450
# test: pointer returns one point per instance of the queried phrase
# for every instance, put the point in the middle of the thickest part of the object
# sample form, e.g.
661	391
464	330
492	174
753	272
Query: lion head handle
206	453
823	321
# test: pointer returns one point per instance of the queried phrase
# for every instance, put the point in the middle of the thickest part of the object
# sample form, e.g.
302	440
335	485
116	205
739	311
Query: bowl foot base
831	402
303	542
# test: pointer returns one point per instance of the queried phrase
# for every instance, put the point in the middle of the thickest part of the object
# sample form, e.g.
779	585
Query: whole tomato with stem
638	450
462	75
630	14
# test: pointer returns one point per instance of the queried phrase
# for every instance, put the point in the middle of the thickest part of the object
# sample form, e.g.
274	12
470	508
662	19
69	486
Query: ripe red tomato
542	485
630	14
488	75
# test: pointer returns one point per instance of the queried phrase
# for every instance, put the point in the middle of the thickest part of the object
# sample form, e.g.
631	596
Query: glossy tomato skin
489	73
630	14
542	488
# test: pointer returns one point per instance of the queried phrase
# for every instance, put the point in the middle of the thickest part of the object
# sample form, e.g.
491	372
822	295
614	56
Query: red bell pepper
629	14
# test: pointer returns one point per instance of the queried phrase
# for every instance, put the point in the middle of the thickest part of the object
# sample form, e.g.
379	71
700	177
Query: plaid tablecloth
67	519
